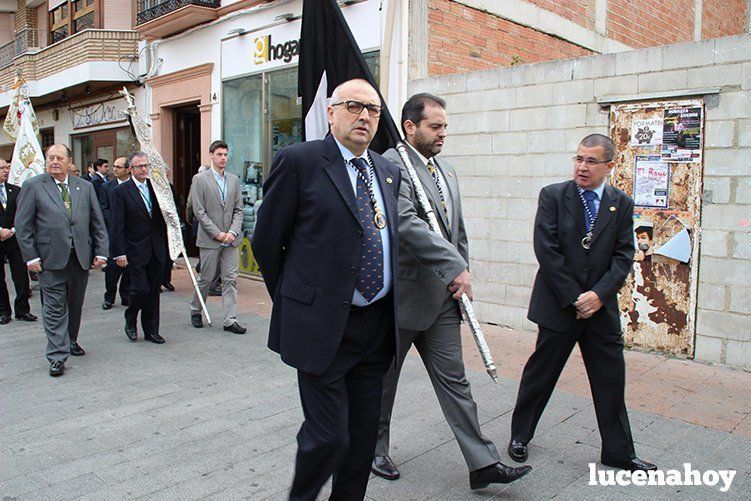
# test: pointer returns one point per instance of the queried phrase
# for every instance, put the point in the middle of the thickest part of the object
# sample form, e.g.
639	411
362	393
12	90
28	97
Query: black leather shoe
57	368
635	464
384	467
27	317
517	451
76	350
215	292
131	332
236	328
497	473
169	286
125	302
106	305
4	319
196	320
154	338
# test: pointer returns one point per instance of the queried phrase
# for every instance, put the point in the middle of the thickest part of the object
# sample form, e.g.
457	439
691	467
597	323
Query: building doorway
187	148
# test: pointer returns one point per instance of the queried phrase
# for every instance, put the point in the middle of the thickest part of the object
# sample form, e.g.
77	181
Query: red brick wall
582	12
722	18
646	23
462	39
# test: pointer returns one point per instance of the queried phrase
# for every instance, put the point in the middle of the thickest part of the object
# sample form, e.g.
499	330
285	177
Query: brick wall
581	12
463	39
723	17
645	23
513	131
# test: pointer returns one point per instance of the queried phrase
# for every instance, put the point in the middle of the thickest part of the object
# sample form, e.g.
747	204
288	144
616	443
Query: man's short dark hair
644	229
134	154
99	162
216	145
414	109
595	140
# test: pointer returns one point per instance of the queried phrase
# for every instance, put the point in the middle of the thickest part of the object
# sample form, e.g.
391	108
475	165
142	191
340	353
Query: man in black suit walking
99	176
584	244
139	241
326	242
9	249
113	273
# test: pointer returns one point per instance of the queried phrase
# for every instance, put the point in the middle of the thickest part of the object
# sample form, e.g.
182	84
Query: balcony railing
25	40
152	9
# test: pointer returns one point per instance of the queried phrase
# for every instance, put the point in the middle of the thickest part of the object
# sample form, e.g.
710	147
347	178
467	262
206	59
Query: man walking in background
113	273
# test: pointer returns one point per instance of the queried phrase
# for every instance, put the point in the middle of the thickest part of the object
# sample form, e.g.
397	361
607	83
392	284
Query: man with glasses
139	242
326	242
61	233
113	273
217	201
584	243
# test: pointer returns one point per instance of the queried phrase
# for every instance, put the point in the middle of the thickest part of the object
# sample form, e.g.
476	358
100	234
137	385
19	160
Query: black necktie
370	278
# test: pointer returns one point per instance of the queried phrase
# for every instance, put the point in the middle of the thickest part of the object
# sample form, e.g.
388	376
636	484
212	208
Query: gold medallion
380	220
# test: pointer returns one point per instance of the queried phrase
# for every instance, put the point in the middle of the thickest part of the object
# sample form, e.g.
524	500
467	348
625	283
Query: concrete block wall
513	131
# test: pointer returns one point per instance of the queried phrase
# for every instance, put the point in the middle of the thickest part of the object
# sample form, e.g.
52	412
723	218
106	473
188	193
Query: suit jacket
428	262
567	269
45	230
8	214
307	242
105	199
213	215
135	234
98	181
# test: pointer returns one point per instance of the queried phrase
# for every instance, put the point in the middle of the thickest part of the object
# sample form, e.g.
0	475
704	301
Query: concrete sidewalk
214	415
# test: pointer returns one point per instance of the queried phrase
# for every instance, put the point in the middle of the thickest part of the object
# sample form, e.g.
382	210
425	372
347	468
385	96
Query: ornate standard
158	176
469	312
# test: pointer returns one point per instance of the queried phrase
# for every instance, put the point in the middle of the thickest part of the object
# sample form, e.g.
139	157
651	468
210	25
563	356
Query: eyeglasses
356	107
144	166
590	161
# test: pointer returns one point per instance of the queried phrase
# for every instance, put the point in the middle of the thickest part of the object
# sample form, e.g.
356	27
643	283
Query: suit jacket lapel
387	188
135	194
75	194
215	186
574	206
450	191
54	192
336	170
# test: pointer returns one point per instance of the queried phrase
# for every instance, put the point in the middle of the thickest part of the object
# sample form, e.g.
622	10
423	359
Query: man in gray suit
61	233
218	208
433	274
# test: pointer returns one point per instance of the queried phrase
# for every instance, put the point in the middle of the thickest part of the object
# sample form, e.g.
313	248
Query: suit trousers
63	292
440	348
112	275
341	408
143	295
222	262
606	371
20	276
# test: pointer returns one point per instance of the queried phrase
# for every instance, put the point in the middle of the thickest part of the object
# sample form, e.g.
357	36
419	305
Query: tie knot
360	164
589	195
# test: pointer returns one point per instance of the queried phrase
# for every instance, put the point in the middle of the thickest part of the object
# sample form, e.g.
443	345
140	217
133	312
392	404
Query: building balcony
80	63
158	19
25	40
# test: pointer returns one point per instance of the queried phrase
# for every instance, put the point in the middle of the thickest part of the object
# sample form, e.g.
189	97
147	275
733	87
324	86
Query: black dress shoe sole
56	373
155	341
380	473
519	458
483	484
27	318
235	331
133	336
77	353
107	306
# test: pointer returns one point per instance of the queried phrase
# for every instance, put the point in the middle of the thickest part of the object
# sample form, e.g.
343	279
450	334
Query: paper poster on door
681	135
646	132
651	182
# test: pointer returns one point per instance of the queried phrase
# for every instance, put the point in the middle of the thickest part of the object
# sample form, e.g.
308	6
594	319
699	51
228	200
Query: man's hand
221	237
5	234
587	304
462	284
122	261
639	255
98	262
35	267
229	238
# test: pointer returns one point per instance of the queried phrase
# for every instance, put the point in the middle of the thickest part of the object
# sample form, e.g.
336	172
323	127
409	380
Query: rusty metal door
659	152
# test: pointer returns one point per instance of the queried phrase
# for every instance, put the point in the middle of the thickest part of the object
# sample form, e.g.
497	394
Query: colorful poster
646	132
681	135
651	182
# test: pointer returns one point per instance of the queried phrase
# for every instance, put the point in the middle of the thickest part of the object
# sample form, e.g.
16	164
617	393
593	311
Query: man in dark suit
113	273
326	242
9	250
139	241
433	274
99	176
61	233
584	243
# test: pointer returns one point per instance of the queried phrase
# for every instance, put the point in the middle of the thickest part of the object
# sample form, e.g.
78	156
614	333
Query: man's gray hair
595	140
134	154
